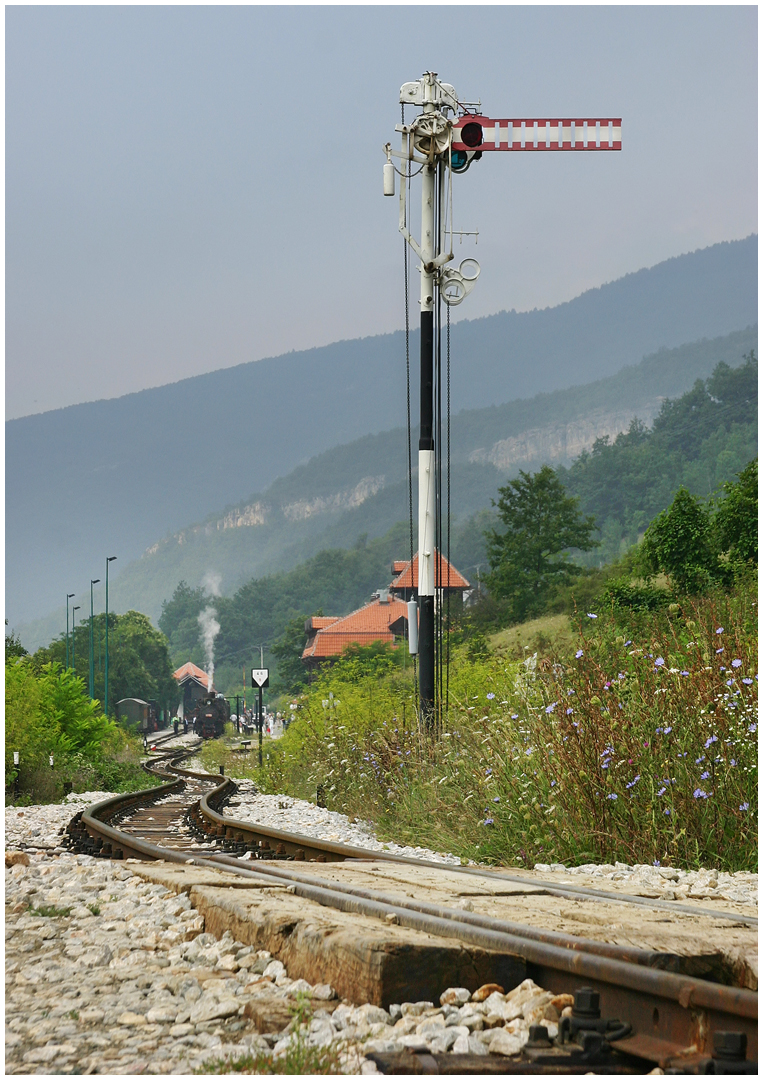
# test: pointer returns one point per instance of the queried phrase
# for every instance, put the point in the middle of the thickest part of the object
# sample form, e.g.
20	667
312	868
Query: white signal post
444	139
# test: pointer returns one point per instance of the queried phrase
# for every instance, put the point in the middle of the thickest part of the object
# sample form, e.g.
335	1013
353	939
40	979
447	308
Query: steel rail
691	1008
333	851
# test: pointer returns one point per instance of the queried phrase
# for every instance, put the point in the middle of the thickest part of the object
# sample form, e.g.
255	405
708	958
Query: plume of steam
210	628
211	582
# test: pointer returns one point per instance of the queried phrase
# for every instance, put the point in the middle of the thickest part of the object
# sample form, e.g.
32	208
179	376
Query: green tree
679	543
292	675
139	661
529	559
736	520
13	647
179	622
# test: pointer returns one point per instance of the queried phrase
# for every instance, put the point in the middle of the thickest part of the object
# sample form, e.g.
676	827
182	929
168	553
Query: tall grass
639	748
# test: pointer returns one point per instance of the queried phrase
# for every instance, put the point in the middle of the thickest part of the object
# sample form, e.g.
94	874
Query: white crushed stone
38	828
662	882
107	973
297	815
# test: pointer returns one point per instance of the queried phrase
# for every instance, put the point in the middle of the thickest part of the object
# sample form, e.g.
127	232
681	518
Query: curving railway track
657	1015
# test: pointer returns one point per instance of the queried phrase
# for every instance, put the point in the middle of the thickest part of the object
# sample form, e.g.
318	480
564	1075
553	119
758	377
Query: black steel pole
426	602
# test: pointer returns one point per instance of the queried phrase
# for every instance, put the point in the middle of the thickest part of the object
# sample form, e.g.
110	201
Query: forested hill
700	440
115	475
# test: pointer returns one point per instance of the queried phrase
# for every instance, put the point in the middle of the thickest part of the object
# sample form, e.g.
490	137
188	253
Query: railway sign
259	677
443	140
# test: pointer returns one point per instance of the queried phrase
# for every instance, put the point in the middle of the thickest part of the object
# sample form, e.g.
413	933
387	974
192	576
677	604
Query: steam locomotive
210	716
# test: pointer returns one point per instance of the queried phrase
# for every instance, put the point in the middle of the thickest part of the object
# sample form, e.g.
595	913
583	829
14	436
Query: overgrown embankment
640	745
47	711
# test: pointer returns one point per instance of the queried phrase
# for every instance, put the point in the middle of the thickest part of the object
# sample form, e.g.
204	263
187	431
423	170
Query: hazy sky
189	188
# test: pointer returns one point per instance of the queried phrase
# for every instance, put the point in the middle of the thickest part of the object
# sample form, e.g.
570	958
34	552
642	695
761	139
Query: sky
190	188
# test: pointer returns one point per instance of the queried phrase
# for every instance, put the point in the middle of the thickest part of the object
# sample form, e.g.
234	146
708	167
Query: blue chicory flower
747	682
719	630
550	708
578	654
704	775
712	739
659	662
744	806
569	712
613	797
661	792
736	663
591	615
490	697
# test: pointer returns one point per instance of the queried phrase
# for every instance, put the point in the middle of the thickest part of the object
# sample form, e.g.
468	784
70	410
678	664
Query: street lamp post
93	581
74	622
68	598
112	558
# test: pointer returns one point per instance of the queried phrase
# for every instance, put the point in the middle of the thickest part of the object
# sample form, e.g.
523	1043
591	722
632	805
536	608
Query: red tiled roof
190	671
446	575
361	627
399	565
320	622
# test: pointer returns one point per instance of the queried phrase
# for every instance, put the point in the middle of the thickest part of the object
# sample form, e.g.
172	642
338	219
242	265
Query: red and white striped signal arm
472	133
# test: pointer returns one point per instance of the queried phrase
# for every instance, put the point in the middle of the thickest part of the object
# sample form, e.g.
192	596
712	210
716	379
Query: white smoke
210	628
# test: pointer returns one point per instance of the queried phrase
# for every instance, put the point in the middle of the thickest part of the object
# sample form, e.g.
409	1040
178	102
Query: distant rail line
669	1019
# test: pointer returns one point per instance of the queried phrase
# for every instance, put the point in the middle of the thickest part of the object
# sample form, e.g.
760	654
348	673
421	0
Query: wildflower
574	724
488	821
488	772
719	650
490	697
659	662
515	716
656	862
747	682
633	782
627	643
667	811
661	792
667	730
699	759
553	783
700	794
613	797
736	663
684	672
528	751
569	712
497	798
578	654
712	739
719	630
704	775
744	806
591	615
733	763
550	708
605	764
752	728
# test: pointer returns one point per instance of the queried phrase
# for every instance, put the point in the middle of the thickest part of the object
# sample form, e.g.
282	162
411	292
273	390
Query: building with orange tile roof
405	585
194	683
384	619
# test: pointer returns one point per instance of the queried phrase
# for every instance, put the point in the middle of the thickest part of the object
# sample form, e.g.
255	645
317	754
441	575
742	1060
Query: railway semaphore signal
446	138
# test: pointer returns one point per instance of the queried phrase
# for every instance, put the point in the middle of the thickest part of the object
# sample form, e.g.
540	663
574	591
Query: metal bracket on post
456	284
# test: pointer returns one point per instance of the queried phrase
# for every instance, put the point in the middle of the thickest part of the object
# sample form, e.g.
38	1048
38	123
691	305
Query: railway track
653	1014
